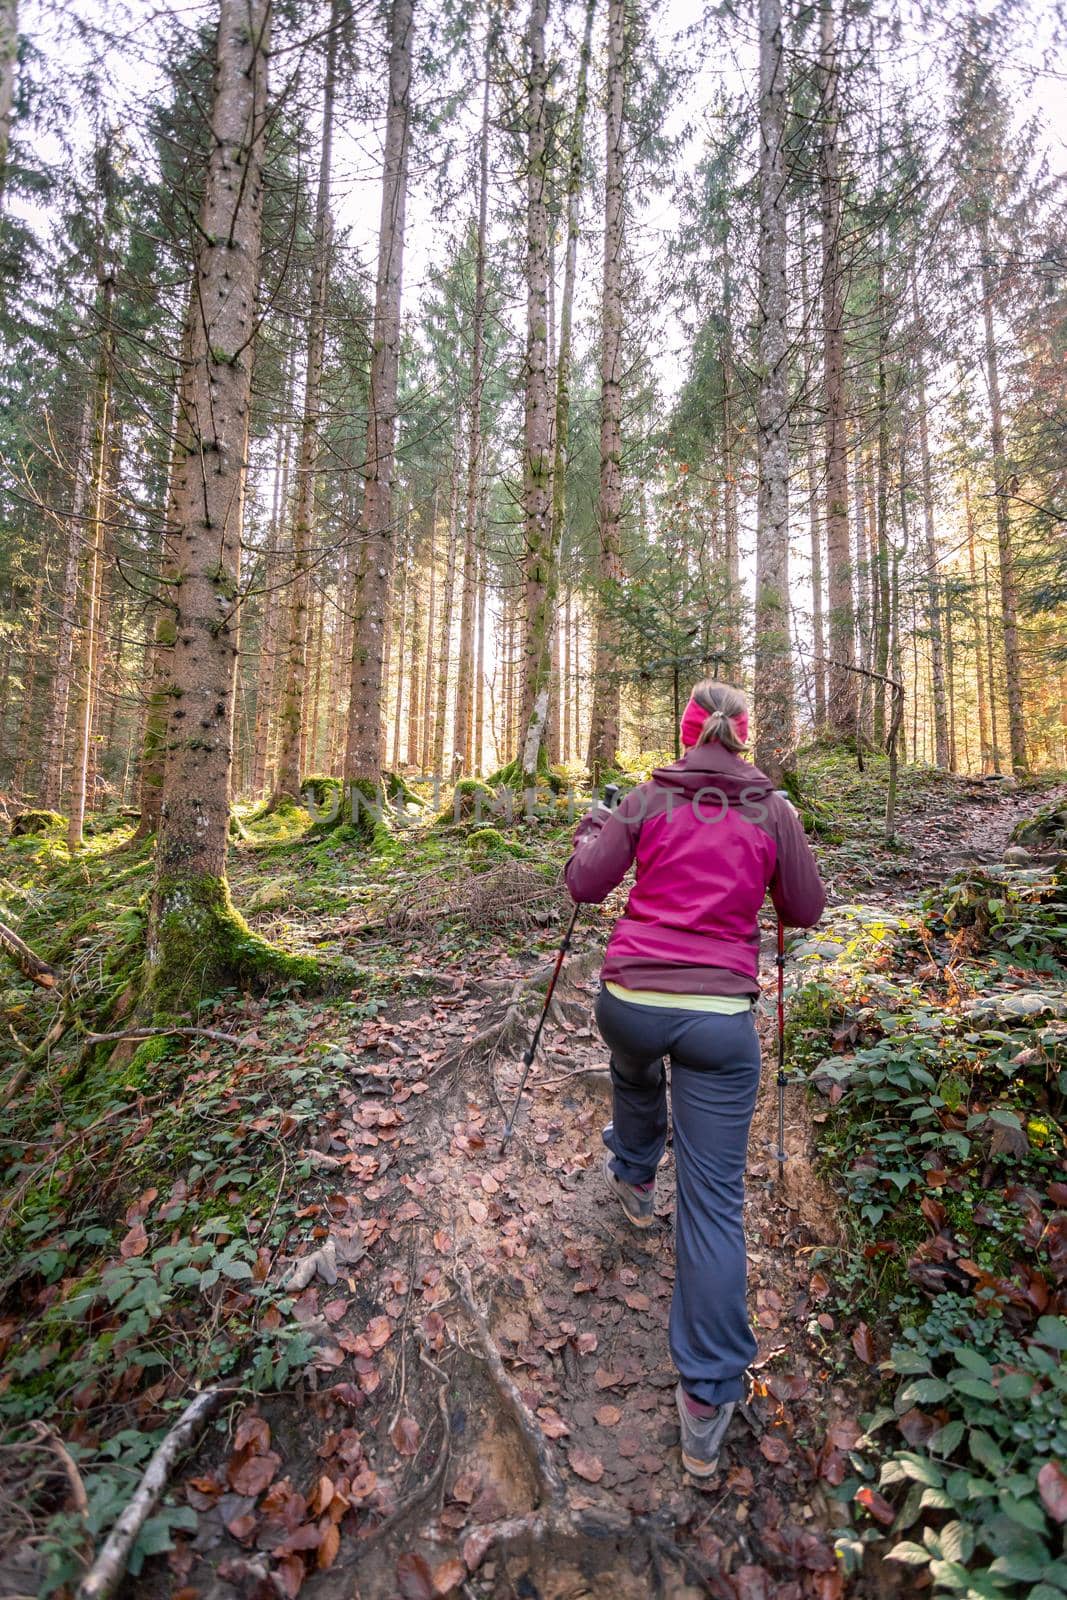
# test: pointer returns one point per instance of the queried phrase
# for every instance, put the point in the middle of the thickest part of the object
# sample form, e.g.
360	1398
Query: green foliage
946	1139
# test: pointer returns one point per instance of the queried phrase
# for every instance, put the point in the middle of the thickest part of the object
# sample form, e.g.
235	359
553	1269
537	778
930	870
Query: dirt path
490	1411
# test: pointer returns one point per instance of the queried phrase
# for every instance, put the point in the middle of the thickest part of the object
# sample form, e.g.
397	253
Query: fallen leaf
331	1544
405	1434
1052	1487
876	1504
448	1575
586	1465
379	1332
818	1286
752	1583
252	1474
863	1344
135	1242
608	1416
414	1578
773	1447
478	1209
290	1574
253	1434
552	1424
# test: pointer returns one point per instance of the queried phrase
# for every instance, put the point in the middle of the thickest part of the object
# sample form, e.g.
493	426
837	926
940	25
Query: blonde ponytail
723	703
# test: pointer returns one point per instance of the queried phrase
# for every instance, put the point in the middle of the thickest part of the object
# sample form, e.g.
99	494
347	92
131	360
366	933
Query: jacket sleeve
604	849
796	889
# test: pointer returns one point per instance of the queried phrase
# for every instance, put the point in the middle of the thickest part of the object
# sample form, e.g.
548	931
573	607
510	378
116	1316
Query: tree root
552	1486
554	1519
108	1569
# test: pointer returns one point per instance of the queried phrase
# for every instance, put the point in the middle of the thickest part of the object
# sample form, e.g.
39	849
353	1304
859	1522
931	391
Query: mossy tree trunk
604	718
195	939
774	661
363	745
293	709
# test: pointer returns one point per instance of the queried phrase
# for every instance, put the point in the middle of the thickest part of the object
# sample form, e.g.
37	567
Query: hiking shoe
638	1204
702	1437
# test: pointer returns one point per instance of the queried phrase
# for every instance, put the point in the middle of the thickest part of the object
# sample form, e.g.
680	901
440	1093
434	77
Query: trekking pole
780	962
611	794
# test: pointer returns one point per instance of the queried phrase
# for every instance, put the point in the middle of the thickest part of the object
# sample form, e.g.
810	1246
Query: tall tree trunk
1009	593
365	701
431	640
268	635
773	655
9	49
85	668
604	720
478	744
444	656
414	705
56	725
542	642
463	741
881	562
984	744
291	720
407	566
31	673
537	432
991	662
161	650
814	526
937	655
195	939
841	696
731	544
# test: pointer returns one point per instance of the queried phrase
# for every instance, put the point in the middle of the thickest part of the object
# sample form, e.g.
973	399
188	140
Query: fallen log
107	1571
26	960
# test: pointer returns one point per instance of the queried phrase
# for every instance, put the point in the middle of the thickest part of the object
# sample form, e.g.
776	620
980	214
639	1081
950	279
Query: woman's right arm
796	888
604	848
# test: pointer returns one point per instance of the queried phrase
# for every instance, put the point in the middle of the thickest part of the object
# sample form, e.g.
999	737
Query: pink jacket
710	837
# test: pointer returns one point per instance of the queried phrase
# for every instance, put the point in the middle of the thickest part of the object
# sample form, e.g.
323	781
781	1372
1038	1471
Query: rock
1015	855
270	895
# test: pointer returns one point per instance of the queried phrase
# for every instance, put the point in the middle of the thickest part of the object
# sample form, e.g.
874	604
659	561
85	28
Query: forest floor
449	1366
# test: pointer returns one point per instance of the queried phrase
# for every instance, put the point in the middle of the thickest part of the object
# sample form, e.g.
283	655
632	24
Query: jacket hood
709	765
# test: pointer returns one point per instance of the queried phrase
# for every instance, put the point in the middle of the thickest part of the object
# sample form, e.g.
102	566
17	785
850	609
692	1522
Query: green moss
199	943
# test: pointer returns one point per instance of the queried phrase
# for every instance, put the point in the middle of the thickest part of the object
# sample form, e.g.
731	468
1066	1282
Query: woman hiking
680	977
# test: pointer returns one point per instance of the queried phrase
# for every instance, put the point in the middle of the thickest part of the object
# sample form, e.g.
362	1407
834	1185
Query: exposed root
553	1490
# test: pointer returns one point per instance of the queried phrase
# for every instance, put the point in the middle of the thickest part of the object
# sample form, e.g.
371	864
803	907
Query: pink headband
694	717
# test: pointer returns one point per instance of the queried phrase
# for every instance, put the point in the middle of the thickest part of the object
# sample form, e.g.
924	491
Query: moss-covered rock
487	842
472	801
321	789
269	896
1045	830
37	821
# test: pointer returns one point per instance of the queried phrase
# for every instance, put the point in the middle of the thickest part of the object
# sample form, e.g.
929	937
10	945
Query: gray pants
715	1068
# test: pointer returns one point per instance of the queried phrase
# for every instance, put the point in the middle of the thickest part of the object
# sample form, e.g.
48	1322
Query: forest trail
568	1483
